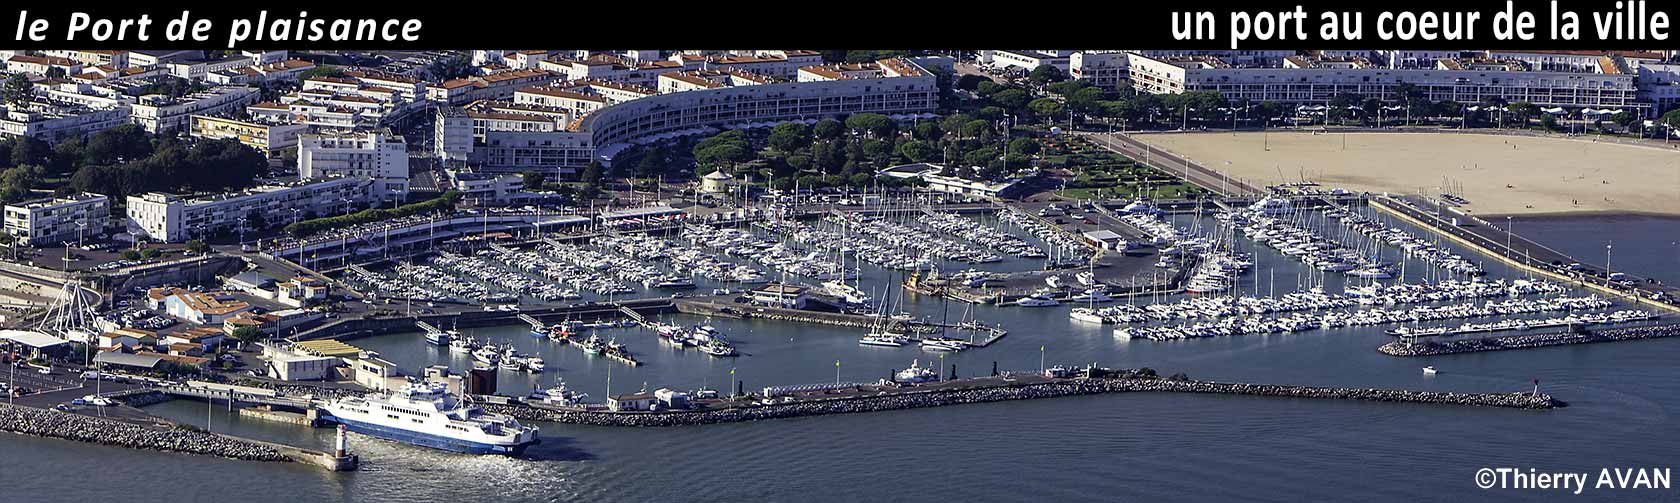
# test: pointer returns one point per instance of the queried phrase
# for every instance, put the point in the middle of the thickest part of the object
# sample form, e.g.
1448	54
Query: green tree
1671	118
16	183
449	68
652	163
828	129
1012	100
17	90
916	151
1045	74
247	334
197	246
876	124
1046	108
790	137
532	179
1023	146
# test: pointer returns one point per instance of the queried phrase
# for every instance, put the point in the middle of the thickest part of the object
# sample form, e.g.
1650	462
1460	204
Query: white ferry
427	415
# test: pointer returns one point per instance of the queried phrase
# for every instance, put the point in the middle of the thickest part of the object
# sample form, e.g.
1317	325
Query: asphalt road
1198	174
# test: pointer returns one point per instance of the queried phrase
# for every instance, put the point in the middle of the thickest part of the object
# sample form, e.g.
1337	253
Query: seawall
913	399
1527	341
63	425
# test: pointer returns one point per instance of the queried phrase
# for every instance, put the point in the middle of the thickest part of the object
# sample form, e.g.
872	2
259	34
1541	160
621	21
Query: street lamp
1507	234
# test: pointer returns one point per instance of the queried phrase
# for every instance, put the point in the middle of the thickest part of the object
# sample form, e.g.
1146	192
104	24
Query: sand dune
1499	174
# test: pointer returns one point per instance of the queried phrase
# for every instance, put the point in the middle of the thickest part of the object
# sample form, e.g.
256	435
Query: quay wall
1528	341
746	311
1059	388
1395	209
63	425
362	327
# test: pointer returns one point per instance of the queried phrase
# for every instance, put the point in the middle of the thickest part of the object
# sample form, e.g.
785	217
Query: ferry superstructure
427	415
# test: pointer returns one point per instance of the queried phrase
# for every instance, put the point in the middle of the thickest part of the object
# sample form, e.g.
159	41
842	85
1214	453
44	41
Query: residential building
1315	80
1104	69
272	139
379	155
172	218
203	308
486	189
160	114
52	221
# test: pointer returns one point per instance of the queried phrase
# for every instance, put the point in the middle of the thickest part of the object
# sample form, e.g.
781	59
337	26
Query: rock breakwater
913	399
67	426
1527	341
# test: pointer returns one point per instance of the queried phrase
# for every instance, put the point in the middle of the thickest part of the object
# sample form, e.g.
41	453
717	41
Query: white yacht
1037	300
1093	295
427	415
884	339
943	344
1087	315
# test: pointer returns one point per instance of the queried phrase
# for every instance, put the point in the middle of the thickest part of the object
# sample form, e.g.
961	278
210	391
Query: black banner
1498	24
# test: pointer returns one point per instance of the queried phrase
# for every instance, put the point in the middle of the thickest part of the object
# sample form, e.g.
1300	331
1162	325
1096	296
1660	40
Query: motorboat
1087	315
1037	300
1430	370
883	339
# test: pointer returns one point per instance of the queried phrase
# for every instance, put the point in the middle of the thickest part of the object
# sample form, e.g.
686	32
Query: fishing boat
916	374
487	355
557	395
438	338
535	365
427	415
718	348
592	346
462	345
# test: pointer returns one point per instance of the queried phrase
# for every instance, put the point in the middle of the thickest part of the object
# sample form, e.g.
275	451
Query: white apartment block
40	65
115	59
571	101
507	137
901	90
1309	80
486	188
377	155
271	139
171	218
160	114
53	123
1104	69
495	86
52	221
1027	60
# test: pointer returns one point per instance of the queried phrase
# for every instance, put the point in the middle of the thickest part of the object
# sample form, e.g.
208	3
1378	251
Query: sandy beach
1498	174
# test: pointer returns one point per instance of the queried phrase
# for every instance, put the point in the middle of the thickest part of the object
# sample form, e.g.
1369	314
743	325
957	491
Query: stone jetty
911	398
62	425
1528	341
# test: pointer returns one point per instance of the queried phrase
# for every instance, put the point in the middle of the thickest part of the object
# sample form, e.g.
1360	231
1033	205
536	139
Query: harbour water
1623	403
